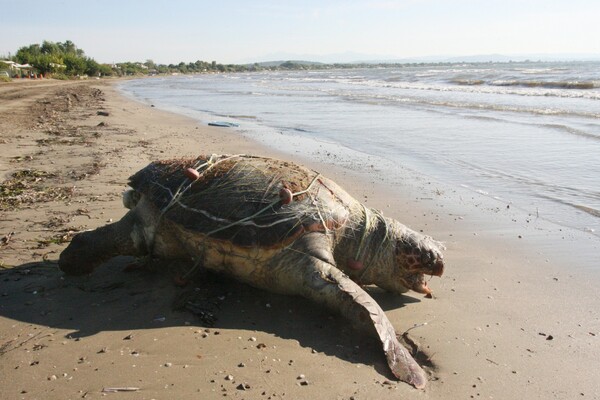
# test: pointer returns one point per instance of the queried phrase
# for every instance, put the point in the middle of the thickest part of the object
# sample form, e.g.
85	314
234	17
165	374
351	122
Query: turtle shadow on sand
116	300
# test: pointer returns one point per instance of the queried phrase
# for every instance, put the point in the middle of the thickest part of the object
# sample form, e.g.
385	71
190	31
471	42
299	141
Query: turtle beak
422	287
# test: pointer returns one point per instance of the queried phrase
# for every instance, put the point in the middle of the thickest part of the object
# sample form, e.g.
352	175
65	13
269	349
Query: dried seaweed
61	237
28	187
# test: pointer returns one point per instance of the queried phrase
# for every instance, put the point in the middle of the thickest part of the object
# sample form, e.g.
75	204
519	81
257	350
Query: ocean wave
593	211
589	210
476	106
548	84
468	82
560	89
572	131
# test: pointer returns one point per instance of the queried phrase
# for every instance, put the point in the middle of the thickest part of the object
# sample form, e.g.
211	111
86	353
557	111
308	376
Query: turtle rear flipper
89	249
323	283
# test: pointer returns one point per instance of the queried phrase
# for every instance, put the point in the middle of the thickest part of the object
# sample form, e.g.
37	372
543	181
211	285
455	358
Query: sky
236	31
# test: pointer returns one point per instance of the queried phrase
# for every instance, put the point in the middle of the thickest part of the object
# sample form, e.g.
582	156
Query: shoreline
487	330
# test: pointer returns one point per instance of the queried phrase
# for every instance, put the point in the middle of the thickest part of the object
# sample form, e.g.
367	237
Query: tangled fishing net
261	203
238	198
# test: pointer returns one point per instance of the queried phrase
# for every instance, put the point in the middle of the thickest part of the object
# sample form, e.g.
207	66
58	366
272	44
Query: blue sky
232	31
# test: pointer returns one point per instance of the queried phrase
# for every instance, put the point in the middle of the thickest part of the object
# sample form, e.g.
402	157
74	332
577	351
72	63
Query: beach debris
6	238
28	187
229	377
120	389
17	159
103	113
63	236
240	209
223	124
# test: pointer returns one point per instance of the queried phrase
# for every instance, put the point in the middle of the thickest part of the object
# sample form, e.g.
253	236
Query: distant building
18	69
56	66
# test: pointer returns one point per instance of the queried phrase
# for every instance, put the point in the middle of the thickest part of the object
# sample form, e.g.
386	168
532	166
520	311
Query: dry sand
516	316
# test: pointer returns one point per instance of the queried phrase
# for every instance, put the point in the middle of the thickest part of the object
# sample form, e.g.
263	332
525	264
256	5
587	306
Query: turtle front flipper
323	283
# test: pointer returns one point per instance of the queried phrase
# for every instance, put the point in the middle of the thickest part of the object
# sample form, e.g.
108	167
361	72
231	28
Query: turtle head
415	257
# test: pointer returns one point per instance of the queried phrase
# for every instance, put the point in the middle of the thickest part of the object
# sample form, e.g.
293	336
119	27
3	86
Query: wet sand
516	314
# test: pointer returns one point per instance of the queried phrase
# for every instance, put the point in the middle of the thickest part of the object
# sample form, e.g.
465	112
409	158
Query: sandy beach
515	316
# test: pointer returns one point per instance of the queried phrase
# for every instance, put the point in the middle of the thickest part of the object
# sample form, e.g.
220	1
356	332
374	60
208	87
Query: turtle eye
426	257
432	262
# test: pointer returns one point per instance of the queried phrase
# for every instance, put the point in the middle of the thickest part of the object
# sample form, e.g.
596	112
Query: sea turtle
274	225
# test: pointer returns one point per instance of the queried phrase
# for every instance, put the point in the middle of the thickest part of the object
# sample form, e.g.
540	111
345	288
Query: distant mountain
359	58
269	64
346	57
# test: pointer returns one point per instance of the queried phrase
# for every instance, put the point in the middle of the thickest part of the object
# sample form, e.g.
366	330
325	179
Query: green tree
150	64
75	65
69	47
50	56
27	54
50	48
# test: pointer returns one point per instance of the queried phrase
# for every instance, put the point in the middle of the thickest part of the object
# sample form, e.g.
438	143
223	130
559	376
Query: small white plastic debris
120	389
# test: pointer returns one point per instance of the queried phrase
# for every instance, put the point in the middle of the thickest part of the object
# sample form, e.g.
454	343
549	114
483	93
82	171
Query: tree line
66	60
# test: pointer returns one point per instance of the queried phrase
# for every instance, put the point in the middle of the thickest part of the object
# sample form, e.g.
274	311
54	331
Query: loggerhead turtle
274	225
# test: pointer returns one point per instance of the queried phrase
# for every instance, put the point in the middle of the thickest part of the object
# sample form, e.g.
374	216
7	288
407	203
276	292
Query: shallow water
526	134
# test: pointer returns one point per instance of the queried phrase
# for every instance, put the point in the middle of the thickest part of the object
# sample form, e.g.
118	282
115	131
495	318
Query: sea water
526	135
